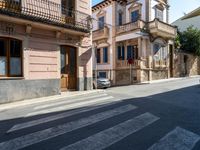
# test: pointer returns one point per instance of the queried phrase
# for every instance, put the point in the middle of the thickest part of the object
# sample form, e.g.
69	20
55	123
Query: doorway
171	60
68	68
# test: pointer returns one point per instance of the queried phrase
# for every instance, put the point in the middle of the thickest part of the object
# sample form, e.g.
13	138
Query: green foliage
189	40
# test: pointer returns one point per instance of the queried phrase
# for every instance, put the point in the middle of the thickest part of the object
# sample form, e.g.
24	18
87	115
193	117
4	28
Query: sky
177	7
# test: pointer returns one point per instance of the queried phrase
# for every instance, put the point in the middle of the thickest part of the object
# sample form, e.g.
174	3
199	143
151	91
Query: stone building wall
123	76
186	65
159	74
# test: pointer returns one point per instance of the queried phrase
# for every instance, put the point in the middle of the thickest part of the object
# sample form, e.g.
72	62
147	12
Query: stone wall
15	90
144	75
186	65
123	76
159	74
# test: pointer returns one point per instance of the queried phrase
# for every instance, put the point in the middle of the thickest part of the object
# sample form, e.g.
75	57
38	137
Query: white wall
152	15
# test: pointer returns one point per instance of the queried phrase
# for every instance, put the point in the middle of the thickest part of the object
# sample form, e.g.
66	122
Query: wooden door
68	68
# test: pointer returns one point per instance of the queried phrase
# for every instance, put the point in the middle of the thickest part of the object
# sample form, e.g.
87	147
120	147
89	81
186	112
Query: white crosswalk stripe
57	103
53	118
178	139
33	138
98	101
114	134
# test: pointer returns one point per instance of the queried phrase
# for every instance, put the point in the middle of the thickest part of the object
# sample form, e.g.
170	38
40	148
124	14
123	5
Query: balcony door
12	5
68	68
68	7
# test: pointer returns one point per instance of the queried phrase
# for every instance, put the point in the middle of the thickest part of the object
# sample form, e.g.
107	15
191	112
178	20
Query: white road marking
178	139
72	106
57	103
39	136
53	118
114	134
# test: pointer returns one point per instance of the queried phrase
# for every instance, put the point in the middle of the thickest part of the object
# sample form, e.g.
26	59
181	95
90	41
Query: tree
189	40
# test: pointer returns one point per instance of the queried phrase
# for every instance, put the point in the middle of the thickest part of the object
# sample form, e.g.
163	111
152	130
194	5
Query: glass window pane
15	57
102	74
129	52
120	19
15	48
101	22
3	58
98	56
72	67
156	48
2	48
63	61
15	66
123	53
119	52
105	54
134	16
3	64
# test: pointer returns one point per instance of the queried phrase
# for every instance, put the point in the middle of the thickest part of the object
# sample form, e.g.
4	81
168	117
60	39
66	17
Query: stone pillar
150	67
26	52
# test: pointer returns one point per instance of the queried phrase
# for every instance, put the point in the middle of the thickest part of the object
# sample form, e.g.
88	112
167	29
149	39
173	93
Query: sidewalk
171	79
7	106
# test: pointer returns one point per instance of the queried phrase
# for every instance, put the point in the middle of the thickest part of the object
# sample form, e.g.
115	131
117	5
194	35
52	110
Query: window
134	16
98	55
3	58
67	7
160	52
120	50
101	22
102	75
156	48
10	57
120	18
130	52
63	61
159	14
105	55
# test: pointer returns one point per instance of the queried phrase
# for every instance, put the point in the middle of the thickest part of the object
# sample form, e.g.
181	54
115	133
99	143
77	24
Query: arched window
10	57
120	18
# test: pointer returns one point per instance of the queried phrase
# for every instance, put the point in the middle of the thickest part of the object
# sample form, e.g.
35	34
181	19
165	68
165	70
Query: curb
170	79
7	106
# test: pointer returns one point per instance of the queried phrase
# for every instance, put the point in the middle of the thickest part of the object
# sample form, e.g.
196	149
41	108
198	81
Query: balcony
162	29
160	64
100	34
130	27
46	12
137	64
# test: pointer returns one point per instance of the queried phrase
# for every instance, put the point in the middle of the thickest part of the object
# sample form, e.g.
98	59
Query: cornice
106	3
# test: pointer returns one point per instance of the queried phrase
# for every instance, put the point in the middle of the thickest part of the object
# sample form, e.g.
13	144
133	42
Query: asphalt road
159	116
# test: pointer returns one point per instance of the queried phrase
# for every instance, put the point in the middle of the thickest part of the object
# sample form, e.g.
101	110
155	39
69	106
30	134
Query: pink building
45	48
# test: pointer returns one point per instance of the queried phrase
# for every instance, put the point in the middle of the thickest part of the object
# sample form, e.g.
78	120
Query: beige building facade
45	48
133	41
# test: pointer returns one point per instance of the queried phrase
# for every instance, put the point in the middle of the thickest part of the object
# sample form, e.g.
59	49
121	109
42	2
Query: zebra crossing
176	139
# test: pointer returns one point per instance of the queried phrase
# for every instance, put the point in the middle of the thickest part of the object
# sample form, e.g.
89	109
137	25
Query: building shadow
174	108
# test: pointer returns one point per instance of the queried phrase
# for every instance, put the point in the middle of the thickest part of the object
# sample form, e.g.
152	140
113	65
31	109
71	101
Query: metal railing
48	12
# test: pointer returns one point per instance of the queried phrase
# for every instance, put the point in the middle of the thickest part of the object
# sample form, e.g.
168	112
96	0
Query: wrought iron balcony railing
47	12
